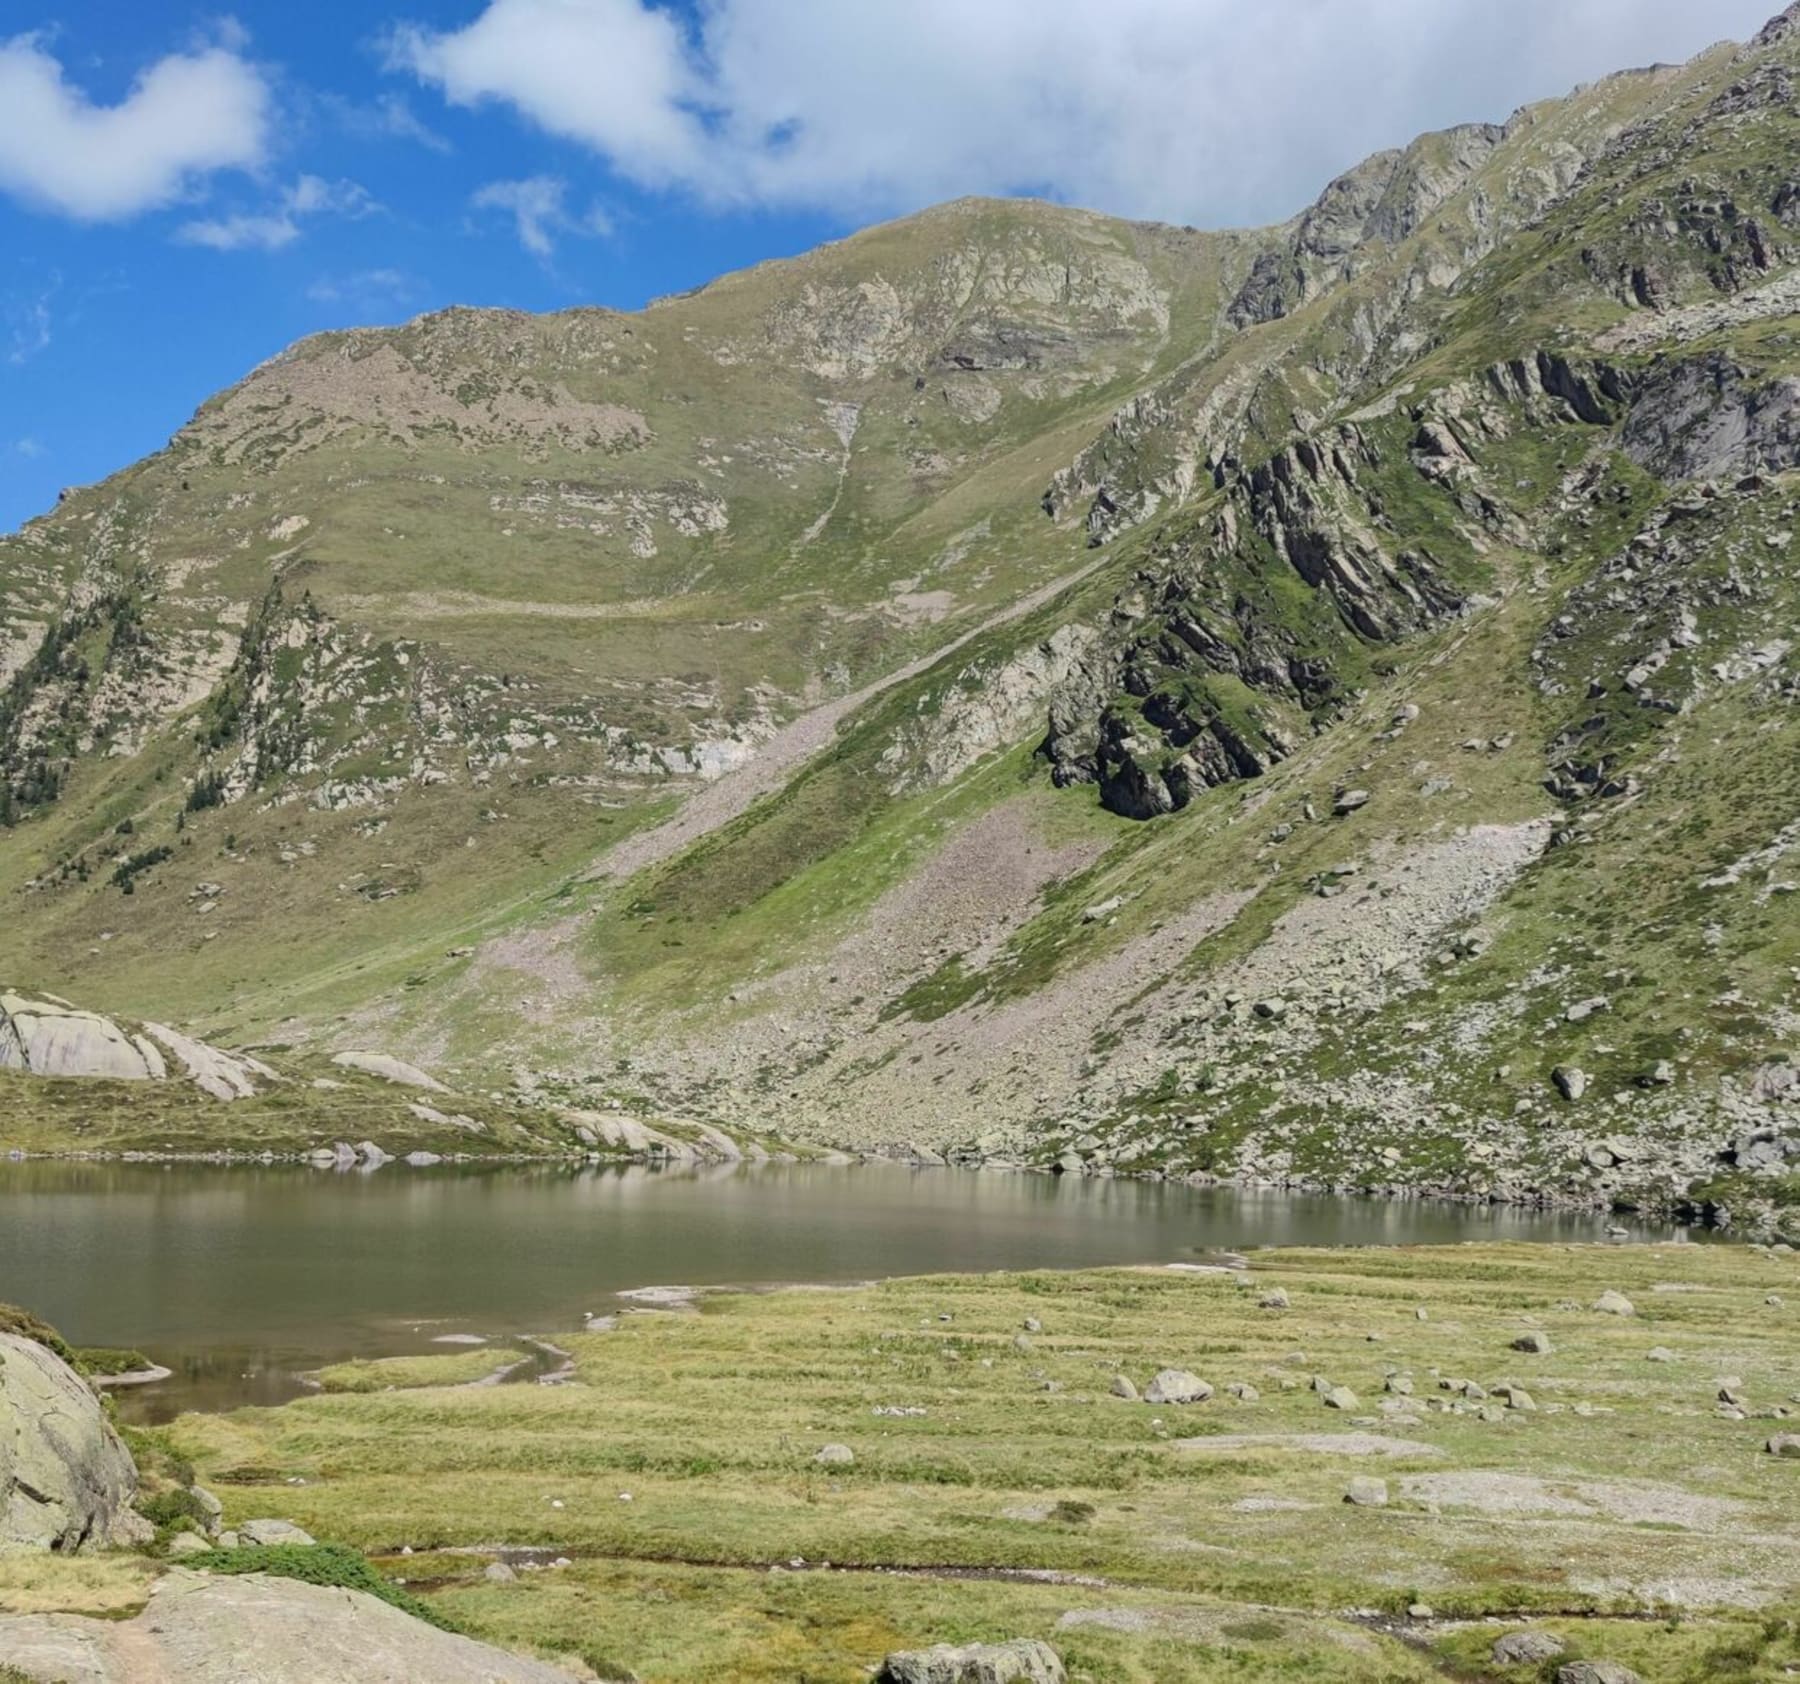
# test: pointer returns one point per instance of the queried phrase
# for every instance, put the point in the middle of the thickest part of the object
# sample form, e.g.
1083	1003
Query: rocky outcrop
1218	663
66	1479
389	1069
46	1036
1708	418
202	1629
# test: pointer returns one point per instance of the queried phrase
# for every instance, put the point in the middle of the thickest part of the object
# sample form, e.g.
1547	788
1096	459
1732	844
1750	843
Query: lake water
240	1279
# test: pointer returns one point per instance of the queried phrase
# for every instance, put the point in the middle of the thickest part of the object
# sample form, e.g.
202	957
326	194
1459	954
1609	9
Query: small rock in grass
1244	1392
498	1573
273	1532
1534	1344
1659	1353
1122	1387
1340	1397
1033	1325
1596	1672
1611	1303
1176	1385
188	1543
1275	1298
1527	1648
1784	1444
835	1456
1367	1492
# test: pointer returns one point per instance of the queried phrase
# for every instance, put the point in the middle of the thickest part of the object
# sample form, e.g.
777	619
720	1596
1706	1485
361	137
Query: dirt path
791	747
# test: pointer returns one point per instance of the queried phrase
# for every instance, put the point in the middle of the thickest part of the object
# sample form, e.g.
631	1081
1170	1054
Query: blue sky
185	191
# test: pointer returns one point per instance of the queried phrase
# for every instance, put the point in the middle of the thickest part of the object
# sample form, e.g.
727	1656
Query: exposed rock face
1373	206
1219	663
389	1069
1022	1662
49	1037
202	1629
66	1480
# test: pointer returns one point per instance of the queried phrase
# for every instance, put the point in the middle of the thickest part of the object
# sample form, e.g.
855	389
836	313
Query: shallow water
240	1279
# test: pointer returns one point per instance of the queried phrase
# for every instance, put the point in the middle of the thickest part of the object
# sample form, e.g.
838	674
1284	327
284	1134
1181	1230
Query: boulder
206	1629
1570	1082
223	1075
66	1479
389	1069
1275	1298
188	1543
1784	1444
1527	1648
1611	1303
1176	1385
1596	1672
835	1456
1025	1661
273	1532
1534	1344
1341	1397
1122	1387
52	1038
1367	1492
49	1037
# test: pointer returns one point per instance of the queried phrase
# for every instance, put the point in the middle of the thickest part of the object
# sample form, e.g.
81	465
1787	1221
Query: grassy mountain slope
1309	704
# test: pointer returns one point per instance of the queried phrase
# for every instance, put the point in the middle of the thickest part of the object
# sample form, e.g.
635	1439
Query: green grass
709	1424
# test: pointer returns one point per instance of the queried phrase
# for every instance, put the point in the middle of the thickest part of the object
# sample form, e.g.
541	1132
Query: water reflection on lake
239	1278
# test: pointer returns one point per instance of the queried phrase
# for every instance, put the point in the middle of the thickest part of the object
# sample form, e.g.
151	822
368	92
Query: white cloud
279	226
365	289
388	118
187	116
539	212
26	316
29	448
1202	110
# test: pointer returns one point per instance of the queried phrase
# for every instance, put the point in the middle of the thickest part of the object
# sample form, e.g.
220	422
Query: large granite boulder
66	1479
46	1036
49	1037
204	1629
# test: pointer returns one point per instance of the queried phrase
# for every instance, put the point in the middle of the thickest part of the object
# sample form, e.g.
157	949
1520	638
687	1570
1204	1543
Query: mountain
1315	704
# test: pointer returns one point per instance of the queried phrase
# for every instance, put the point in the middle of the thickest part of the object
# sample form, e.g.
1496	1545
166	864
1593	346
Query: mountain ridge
1202	662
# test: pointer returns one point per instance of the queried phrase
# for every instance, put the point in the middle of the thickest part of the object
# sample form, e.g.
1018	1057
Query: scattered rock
1122	1387
1367	1492
1275	1298
1534	1344
835	1456
1611	1303
1341	1397
1349	801
1176	1385
1784	1444
499	1573
1570	1082
189	1543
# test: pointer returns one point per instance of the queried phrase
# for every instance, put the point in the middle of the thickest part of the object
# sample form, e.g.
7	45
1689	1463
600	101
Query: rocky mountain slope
1312	704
